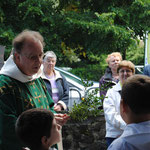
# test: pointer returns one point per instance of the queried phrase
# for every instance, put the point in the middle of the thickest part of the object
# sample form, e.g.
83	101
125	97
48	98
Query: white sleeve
111	107
63	104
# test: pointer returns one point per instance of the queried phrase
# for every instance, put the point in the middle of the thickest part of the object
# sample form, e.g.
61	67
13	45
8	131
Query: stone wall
88	135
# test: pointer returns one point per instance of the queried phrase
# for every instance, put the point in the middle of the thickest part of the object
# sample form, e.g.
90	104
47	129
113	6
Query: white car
77	90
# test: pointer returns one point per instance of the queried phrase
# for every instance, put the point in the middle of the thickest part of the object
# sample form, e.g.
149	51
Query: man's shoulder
5	79
116	144
146	70
114	88
39	80
121	144
147	66
6	84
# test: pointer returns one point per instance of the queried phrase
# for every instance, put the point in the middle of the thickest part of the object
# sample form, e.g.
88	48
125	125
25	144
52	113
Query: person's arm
61	119
112	116
65	97
101	87
146	70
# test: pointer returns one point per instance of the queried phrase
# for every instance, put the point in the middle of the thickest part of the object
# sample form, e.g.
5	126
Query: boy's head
135	93
37	129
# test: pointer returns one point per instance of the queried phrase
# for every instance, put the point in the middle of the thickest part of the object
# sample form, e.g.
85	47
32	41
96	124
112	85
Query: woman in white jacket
114	123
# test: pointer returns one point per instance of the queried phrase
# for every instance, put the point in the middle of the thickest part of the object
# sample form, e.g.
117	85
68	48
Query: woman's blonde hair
126	63
115	54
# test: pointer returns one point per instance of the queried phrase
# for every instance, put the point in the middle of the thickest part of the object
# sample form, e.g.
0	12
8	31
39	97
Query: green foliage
136	53
94	32
88	29
69	53
89	107
113	25
95	70
91	72
139	16
5	36
28	14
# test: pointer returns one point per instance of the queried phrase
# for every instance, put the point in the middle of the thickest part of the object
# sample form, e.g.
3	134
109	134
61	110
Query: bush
89	107
91	72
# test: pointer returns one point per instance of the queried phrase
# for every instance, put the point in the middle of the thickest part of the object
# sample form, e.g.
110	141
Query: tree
101	24
80	32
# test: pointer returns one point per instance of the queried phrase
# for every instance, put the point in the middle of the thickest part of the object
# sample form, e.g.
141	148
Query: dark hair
32	125
20	40
135	93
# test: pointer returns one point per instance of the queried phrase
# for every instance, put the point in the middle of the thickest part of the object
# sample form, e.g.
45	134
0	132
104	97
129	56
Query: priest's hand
61	119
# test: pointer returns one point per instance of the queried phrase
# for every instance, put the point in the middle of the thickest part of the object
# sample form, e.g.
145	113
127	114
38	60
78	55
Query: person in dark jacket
111	76
56	83
146	70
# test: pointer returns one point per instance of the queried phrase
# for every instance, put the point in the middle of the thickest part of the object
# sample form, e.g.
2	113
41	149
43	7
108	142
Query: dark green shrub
91	72
90	106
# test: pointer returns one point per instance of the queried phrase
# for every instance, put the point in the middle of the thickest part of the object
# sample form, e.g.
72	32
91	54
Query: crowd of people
126	108
33	93
114	122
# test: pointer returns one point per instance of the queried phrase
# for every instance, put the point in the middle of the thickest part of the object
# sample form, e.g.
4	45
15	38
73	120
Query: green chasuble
16	97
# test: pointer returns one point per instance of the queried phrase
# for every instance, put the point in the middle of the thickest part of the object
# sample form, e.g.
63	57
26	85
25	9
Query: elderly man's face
30	58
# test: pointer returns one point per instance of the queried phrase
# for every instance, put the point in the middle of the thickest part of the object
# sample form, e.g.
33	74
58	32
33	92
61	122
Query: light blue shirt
134	137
